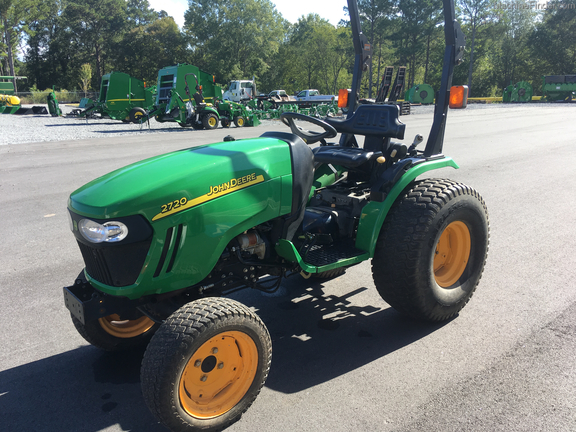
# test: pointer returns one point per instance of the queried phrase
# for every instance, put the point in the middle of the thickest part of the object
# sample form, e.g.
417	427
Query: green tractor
239	114
175	103
166	239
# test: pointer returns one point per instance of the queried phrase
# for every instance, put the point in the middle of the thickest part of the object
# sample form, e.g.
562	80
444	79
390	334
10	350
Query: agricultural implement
386	85
559	87
10	103
166	239
267	110
203	109
121	97
420	94
520	92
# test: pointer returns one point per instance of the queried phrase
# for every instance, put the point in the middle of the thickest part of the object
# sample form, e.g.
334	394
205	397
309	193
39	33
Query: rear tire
432	249
206	365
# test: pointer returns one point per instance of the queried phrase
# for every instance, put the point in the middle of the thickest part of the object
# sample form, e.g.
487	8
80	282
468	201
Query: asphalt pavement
343	360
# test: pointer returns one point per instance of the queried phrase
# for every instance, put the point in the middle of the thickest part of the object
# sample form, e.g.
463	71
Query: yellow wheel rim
212	121
240	122
138	115
218	375
452	254
115	326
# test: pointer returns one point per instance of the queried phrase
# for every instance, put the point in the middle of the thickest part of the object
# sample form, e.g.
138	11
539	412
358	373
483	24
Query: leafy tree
474	13
94	25
85	76
234	38
15	20
138	12
553	41
146	49
416	19
374	14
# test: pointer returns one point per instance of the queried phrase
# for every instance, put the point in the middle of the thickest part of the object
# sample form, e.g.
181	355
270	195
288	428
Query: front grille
115	265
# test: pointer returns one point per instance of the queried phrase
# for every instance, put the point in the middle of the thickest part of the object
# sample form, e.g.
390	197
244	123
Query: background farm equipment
175	103
420	94
239	114
269	110
520	92
10	103
381	96
559	87
122	97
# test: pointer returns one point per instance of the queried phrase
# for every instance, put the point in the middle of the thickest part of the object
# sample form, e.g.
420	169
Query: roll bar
453	53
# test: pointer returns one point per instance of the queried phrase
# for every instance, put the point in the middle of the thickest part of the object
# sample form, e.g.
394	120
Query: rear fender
374	213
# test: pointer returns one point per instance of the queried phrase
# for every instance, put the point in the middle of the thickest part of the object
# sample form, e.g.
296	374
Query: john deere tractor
165	240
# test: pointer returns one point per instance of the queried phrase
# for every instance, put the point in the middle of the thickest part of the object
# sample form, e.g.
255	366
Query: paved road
343	360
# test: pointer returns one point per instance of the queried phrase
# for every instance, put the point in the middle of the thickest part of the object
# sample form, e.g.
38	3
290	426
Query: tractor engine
335	211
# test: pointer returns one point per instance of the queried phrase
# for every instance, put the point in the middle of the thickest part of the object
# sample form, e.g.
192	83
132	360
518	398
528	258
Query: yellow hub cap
138	115
218	375
240	122
115	326
452	254
212	122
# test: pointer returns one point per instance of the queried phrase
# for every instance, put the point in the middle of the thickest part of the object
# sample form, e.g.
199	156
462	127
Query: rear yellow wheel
206	365
452	254
432	248
239	121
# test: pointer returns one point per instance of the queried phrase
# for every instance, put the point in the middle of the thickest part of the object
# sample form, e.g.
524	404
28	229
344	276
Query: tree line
71	44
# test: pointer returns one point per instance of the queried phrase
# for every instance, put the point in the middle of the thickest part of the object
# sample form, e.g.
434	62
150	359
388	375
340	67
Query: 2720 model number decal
174	205
214	191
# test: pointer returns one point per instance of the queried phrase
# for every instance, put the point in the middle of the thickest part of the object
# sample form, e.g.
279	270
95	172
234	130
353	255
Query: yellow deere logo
216	191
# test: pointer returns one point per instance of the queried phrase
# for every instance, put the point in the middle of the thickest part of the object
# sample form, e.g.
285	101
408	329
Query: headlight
98	233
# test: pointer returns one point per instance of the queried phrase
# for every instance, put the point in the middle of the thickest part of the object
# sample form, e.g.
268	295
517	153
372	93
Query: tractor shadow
84	389
318	336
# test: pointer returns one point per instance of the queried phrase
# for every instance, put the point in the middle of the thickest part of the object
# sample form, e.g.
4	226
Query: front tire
112	333
210	121
206	365
432	249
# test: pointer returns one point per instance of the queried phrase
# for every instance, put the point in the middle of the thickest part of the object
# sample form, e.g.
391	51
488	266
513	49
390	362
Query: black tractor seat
350	157
371	120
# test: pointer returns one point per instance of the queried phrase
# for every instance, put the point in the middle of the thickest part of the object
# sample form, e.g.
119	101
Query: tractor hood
174	182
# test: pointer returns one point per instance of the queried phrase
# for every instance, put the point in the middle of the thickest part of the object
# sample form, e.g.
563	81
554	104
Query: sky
291	10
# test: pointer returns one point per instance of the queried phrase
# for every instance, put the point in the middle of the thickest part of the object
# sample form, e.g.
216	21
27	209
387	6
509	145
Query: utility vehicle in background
166	239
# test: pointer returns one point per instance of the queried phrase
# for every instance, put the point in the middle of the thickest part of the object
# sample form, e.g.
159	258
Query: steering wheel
309	137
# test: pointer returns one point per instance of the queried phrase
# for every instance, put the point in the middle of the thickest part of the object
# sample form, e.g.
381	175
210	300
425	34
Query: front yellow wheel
206	365
218	375
117	327
452	254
